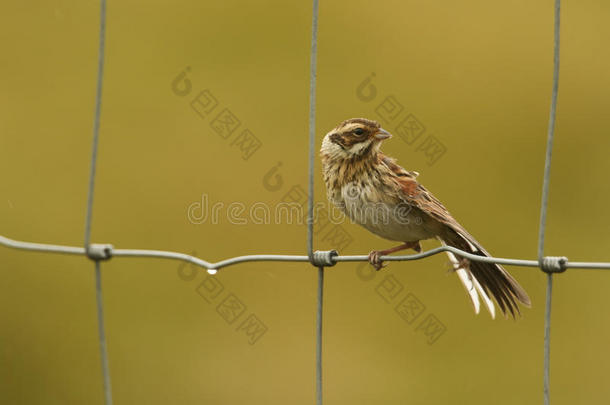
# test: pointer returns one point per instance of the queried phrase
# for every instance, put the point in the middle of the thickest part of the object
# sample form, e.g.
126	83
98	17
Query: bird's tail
485	279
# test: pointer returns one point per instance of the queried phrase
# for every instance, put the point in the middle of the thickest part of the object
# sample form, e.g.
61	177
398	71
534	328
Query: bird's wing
490	278
415	194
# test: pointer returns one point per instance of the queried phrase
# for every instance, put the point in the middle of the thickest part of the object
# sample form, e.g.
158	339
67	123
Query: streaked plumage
374	191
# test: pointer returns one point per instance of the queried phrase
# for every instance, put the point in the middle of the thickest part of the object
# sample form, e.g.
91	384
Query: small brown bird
375	192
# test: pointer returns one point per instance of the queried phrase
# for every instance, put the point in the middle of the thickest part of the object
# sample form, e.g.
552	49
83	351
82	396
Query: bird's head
356	137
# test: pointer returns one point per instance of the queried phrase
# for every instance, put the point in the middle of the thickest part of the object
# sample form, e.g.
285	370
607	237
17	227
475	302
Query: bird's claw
375	260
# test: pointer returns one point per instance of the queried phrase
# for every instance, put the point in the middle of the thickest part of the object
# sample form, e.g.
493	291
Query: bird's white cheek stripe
332	149
359	147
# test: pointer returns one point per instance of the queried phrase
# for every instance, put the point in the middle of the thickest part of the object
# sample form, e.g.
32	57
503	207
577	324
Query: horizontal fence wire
143	253
98	252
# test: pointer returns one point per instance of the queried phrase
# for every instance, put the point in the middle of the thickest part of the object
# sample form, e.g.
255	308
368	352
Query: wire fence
319	259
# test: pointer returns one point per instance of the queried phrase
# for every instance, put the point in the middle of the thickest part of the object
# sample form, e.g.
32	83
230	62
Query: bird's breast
381	214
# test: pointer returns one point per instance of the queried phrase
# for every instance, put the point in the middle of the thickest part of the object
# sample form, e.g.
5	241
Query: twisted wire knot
99	251
324	258
554	264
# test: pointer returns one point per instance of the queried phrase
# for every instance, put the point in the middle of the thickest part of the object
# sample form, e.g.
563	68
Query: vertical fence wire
96	122
89	214
544	204
312	123
319	336
547	337
102	335
310	197
550	138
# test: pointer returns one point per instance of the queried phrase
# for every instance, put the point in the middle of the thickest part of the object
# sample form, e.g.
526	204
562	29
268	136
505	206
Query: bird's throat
340	171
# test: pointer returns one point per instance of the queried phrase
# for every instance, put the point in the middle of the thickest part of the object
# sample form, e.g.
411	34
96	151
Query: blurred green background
477	75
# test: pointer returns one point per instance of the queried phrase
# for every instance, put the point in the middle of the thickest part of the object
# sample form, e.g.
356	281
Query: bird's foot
375	255
375	259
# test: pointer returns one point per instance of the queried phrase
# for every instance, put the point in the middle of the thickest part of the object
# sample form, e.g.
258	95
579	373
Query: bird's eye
359	131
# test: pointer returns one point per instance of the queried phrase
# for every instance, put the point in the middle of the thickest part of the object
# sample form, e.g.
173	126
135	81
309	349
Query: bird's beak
382	134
